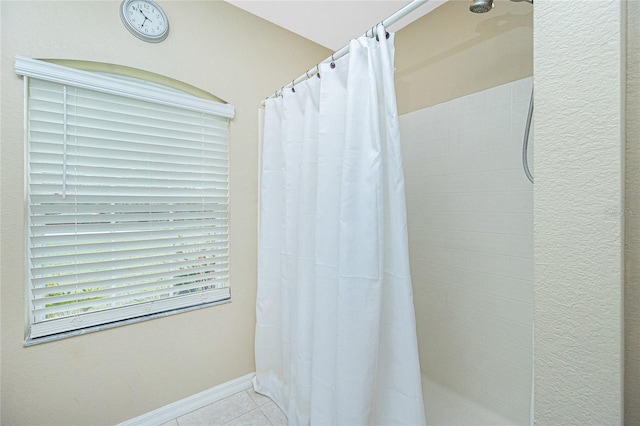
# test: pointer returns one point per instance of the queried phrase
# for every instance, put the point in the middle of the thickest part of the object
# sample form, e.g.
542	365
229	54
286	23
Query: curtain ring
333	64
318	69
386	33
293	89
307	73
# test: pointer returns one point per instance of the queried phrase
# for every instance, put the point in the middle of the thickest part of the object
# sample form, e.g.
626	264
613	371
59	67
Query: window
127	187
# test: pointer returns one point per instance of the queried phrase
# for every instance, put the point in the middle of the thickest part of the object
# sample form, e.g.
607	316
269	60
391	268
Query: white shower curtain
335	334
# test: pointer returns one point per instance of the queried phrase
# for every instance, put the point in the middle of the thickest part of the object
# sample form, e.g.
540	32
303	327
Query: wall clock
145	20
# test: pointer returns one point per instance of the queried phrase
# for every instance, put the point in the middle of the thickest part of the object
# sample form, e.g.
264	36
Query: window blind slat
38	264
190	145
107	303
79	151
111	246
99	119
42	241
121	295
113	177
134	133
107	227
52	219
220	276
122	190
43	94
51	132
124	272
128	212
77	269
127	208
157	179
214	166
97	101
126	199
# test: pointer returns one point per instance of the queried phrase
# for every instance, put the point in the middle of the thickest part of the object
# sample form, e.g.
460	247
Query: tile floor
246	408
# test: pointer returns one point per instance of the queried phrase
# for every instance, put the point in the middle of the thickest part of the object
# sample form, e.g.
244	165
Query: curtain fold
335	334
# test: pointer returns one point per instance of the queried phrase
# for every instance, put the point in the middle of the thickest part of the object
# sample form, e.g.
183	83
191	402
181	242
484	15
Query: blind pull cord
64	141
203	293
78	319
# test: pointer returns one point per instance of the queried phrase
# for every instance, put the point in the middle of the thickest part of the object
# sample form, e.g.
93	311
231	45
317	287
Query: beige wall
110	376
452	52
632	219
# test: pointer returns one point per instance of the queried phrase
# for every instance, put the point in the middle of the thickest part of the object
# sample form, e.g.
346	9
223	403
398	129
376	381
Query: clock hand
145	16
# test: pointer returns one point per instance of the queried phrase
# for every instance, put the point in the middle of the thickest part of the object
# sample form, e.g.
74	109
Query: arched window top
119	86
135	74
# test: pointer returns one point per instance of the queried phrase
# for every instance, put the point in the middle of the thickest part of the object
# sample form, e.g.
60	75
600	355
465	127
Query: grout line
251	411
265	414
246	412
488	253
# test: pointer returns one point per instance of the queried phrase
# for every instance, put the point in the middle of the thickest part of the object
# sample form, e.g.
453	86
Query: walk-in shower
470	218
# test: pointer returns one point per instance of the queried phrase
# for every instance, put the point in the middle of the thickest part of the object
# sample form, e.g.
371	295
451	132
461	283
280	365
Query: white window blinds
127	206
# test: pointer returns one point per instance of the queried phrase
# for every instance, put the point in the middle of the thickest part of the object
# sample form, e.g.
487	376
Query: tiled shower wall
470	215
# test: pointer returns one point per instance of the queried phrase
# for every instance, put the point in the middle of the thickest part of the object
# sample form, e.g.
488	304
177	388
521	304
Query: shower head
481	6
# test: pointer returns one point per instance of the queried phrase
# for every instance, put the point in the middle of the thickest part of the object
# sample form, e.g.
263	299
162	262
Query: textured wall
470	218
579	118
113	375
632	220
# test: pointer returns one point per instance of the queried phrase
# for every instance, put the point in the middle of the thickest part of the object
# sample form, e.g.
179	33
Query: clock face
145	19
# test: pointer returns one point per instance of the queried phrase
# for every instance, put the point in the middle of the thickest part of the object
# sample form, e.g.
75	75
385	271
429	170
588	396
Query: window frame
139	90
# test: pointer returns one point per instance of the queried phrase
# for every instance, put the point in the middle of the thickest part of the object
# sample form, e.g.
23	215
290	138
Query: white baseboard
190	403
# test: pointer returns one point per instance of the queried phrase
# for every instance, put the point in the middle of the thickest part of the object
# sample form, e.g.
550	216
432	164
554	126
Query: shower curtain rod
344	50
